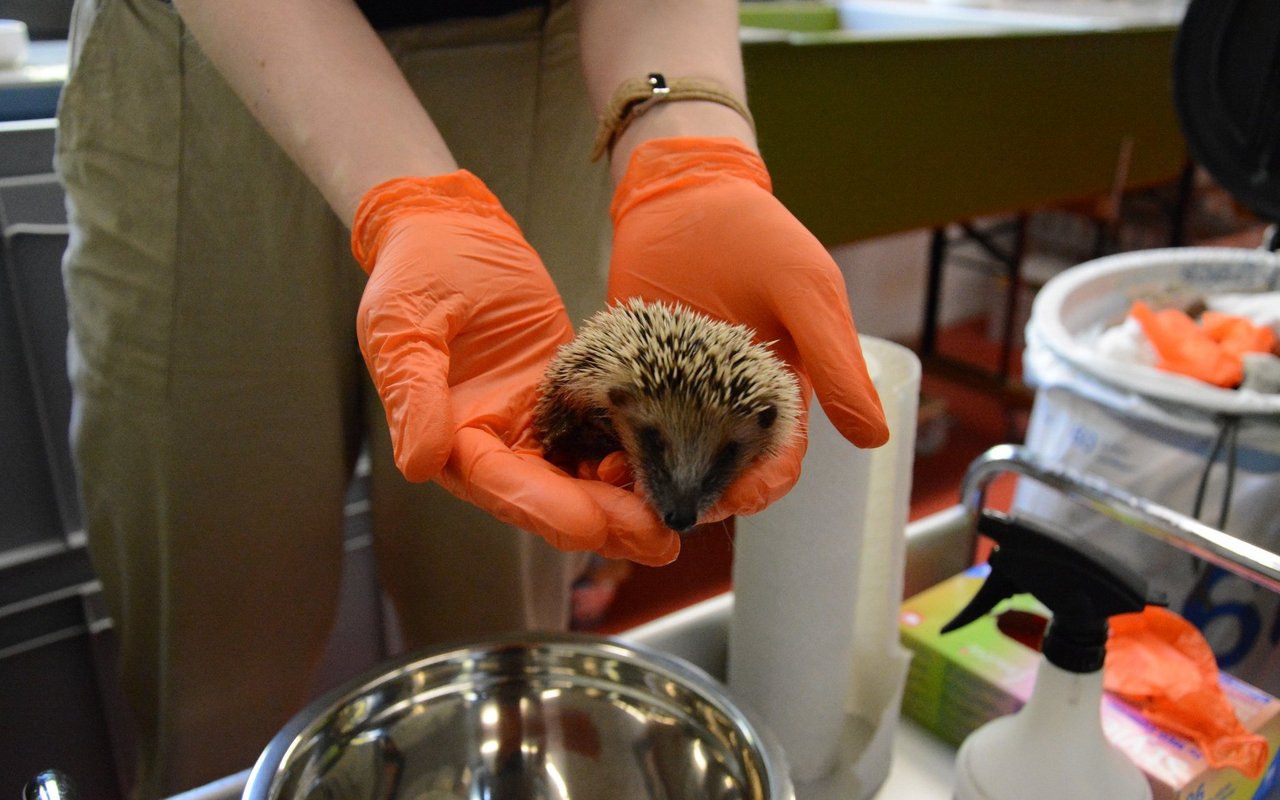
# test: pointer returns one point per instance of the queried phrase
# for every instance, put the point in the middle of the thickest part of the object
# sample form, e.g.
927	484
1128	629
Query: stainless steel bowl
535	717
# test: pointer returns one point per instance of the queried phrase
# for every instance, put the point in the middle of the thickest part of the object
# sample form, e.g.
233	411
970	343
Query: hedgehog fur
691	400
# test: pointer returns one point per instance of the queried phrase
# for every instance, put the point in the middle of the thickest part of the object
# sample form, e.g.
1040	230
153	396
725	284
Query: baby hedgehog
691	400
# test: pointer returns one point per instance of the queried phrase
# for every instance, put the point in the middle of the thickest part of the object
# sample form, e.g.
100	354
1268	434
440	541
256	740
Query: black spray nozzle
1081	585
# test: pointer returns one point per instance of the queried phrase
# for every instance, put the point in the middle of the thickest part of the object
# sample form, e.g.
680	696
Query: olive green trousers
220	398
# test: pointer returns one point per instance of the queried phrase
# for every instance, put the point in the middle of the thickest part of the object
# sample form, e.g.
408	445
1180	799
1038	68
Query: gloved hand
695	222
457	323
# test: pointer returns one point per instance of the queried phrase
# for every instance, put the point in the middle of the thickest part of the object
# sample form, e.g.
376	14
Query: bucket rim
1261	267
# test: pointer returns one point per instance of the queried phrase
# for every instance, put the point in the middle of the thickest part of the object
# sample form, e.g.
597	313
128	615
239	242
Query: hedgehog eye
767	417
726	458
651	440
620	396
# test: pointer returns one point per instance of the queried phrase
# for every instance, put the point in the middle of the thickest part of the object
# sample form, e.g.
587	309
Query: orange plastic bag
1161	664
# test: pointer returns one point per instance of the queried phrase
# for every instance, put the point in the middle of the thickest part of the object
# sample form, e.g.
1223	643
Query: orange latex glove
457	323
1211	351
695	222
1160	663
1237	335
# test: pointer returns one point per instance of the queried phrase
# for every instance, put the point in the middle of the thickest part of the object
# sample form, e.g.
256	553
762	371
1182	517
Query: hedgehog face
690	399
685	456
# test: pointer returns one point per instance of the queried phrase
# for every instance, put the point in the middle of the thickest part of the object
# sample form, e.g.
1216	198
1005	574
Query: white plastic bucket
1077	304
1152	433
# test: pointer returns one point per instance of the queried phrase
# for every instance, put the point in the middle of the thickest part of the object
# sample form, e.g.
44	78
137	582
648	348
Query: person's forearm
320	81
626	40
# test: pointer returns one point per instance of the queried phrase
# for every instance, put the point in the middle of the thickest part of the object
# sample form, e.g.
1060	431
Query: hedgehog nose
680	519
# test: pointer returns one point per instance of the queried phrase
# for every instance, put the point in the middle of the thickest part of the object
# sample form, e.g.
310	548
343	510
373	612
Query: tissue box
961	680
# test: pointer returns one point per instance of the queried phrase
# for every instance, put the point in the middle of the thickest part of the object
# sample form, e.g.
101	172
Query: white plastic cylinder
14	43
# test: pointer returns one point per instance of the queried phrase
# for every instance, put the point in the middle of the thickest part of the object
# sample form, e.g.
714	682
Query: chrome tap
1249	561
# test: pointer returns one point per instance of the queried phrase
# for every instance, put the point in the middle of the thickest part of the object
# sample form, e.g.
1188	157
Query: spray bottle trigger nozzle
994	590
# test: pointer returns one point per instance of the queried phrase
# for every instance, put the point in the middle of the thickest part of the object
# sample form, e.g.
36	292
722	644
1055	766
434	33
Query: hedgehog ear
767	417
620	396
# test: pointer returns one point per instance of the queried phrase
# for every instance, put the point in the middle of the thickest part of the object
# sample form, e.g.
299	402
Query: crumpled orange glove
1160	663
1211	350
1237	335
457	323
695	222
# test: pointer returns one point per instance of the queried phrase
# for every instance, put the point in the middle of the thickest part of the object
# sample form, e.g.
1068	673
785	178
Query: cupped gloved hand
458	320
696	223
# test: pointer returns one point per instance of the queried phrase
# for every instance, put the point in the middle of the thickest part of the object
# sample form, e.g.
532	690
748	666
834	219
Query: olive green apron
220	399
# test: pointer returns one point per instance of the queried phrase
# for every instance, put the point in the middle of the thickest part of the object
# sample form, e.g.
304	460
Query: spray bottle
1054	747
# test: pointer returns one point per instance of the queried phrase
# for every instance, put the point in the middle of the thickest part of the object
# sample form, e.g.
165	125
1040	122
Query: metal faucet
1235	555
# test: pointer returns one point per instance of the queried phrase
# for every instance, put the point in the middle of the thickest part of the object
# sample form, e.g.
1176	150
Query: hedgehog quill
692	401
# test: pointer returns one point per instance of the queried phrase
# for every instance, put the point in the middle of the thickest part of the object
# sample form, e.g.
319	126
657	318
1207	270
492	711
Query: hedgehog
692	401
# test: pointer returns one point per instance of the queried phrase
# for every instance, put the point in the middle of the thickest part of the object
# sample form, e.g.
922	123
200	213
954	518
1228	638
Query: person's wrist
687	118
386	202
672	169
